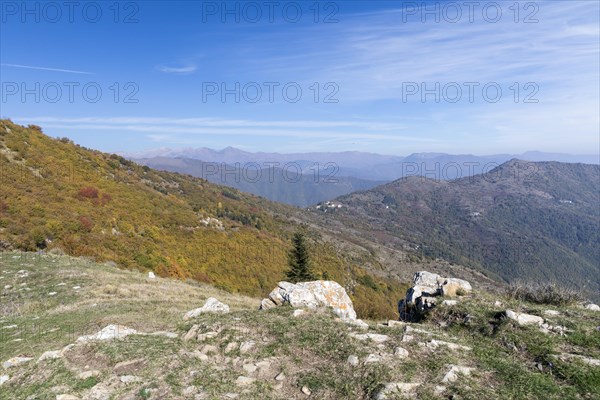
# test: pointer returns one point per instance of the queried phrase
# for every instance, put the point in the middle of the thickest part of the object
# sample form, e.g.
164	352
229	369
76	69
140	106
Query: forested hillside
521	221
57	196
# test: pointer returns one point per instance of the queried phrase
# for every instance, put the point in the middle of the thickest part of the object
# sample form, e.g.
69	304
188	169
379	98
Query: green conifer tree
299	261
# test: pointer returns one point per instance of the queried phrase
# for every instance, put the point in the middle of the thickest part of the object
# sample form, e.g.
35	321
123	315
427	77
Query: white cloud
186	69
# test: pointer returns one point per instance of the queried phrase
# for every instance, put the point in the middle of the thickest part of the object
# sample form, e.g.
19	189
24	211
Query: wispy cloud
70	71
182	70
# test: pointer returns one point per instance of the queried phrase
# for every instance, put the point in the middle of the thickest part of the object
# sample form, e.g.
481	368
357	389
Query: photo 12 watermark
69	92
253	12
472	92
271	92
453	12
52	12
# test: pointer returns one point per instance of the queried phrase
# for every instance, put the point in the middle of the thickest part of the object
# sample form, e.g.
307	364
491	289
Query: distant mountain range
522	220
304	179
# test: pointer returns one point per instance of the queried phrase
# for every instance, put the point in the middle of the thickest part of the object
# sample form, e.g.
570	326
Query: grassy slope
310	350
150	220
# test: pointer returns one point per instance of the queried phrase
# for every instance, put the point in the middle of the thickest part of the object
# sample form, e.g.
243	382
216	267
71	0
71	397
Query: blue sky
388	75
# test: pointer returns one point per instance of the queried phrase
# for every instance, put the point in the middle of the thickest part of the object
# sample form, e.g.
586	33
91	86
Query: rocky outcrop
426	291
315	294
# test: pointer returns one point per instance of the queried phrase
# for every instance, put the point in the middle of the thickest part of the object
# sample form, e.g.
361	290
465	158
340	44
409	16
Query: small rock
249	368
231	346
50	355
15	361
375	337
372	358
401	352
66	397
247	346
191	333
393	324
244	381
434	344
108	333
524	319
52	294
306	390
207	335
391	389
280	376
212	305
592	307
3	379
298	313
151	275
88	374
455	370
498	304
407	338
450	302
359	323
130	379
552	312
128	367
353	360
210	349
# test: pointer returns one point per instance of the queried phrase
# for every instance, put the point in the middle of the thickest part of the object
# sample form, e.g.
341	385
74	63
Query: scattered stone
170	335
244	381
586	360
298	313
50	355
524	319
306	390
88	374
76	287
249	368
375	337
449	302
407	338
66	397
108	333
231	346
401	352
434	344
358	323
212	305
128	367
151	275
498	304
61	284
391	389
592	307
207	335
281	376
394	324
130	379
552	312
52	294
4	379
15	361
372	358
191	333
455	370
245	347
312	295
353	360
210	349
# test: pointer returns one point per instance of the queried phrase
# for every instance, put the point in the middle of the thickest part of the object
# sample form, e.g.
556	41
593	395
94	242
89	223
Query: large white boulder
212	305
314	294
